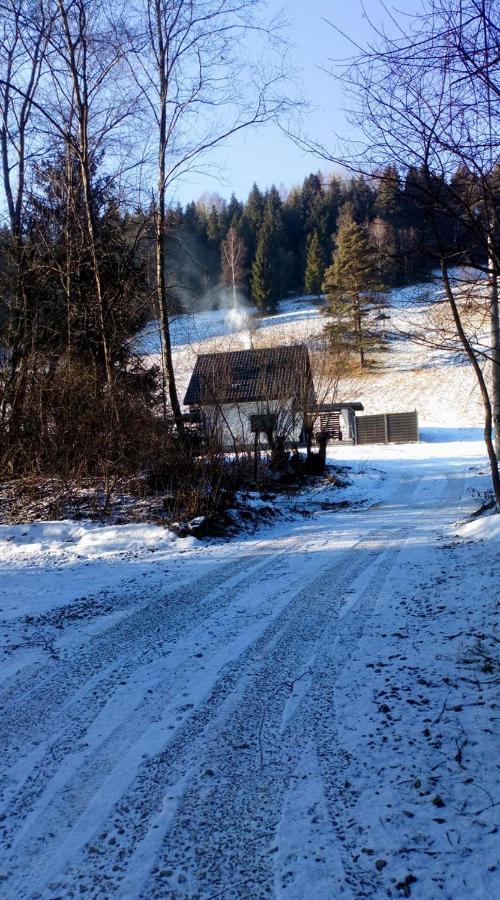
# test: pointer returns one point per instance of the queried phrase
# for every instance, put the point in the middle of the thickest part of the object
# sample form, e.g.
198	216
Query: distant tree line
286	239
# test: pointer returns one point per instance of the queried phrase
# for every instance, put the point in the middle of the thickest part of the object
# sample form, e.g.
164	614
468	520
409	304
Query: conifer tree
293	227
315	266
385	247
268	267
333	201
389	196
349	285
264	279
251	220
234	210
361	195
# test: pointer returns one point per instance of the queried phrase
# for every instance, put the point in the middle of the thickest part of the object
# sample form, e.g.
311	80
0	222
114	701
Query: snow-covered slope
408	376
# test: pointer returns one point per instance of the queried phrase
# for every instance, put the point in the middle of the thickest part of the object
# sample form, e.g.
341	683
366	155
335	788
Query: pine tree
234	210
268	267
349	285
315	266
333	201
293	228
264	281
361	195
214	238
385	246
251	220
389	196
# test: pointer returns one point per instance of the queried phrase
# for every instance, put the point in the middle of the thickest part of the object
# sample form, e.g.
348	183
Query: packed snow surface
308	713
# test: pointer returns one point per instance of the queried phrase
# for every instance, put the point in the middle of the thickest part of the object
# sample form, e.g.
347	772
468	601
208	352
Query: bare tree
426	100
24	32
197	91
65	110
88	108
233	262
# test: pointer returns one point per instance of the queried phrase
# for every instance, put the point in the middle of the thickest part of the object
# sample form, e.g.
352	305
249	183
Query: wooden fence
387	428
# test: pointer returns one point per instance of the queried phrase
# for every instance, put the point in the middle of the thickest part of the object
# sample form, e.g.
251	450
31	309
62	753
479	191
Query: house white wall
233	421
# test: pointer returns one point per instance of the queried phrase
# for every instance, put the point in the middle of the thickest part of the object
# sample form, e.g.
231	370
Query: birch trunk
495	343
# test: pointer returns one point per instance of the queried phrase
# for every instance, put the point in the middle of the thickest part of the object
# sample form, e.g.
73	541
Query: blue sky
266	155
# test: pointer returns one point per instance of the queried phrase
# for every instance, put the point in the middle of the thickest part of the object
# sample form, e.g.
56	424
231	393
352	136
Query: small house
247	395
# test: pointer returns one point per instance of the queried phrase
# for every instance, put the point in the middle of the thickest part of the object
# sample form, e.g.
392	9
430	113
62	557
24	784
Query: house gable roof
243	376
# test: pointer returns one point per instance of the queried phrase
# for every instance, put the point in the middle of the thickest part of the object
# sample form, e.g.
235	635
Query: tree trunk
308	430
79	75
161	287
488	415
359	333
323	438
13	380
13	392
495	342
68	274
89	211
166	342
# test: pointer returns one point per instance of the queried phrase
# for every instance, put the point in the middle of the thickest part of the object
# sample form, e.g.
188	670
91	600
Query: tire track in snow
52	688
200	726
319	723
235	705
255	793
72	739
346	640
321	715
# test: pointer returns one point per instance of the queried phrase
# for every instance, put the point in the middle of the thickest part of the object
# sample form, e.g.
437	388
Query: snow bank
50	564
485	528
67	540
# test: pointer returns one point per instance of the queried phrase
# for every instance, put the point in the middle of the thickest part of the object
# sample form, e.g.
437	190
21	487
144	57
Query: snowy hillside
408	376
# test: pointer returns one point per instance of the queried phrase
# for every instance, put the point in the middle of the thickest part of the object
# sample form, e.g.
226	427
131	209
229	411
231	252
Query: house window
264	423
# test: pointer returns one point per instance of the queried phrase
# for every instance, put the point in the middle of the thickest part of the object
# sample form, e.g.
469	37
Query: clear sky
266	155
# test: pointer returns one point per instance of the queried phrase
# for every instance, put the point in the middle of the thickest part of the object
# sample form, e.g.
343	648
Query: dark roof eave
336	407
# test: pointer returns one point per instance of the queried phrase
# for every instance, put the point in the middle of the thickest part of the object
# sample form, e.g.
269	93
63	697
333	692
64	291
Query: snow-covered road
257	728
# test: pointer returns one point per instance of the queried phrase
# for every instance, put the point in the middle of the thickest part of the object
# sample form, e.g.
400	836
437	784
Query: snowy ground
309	713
